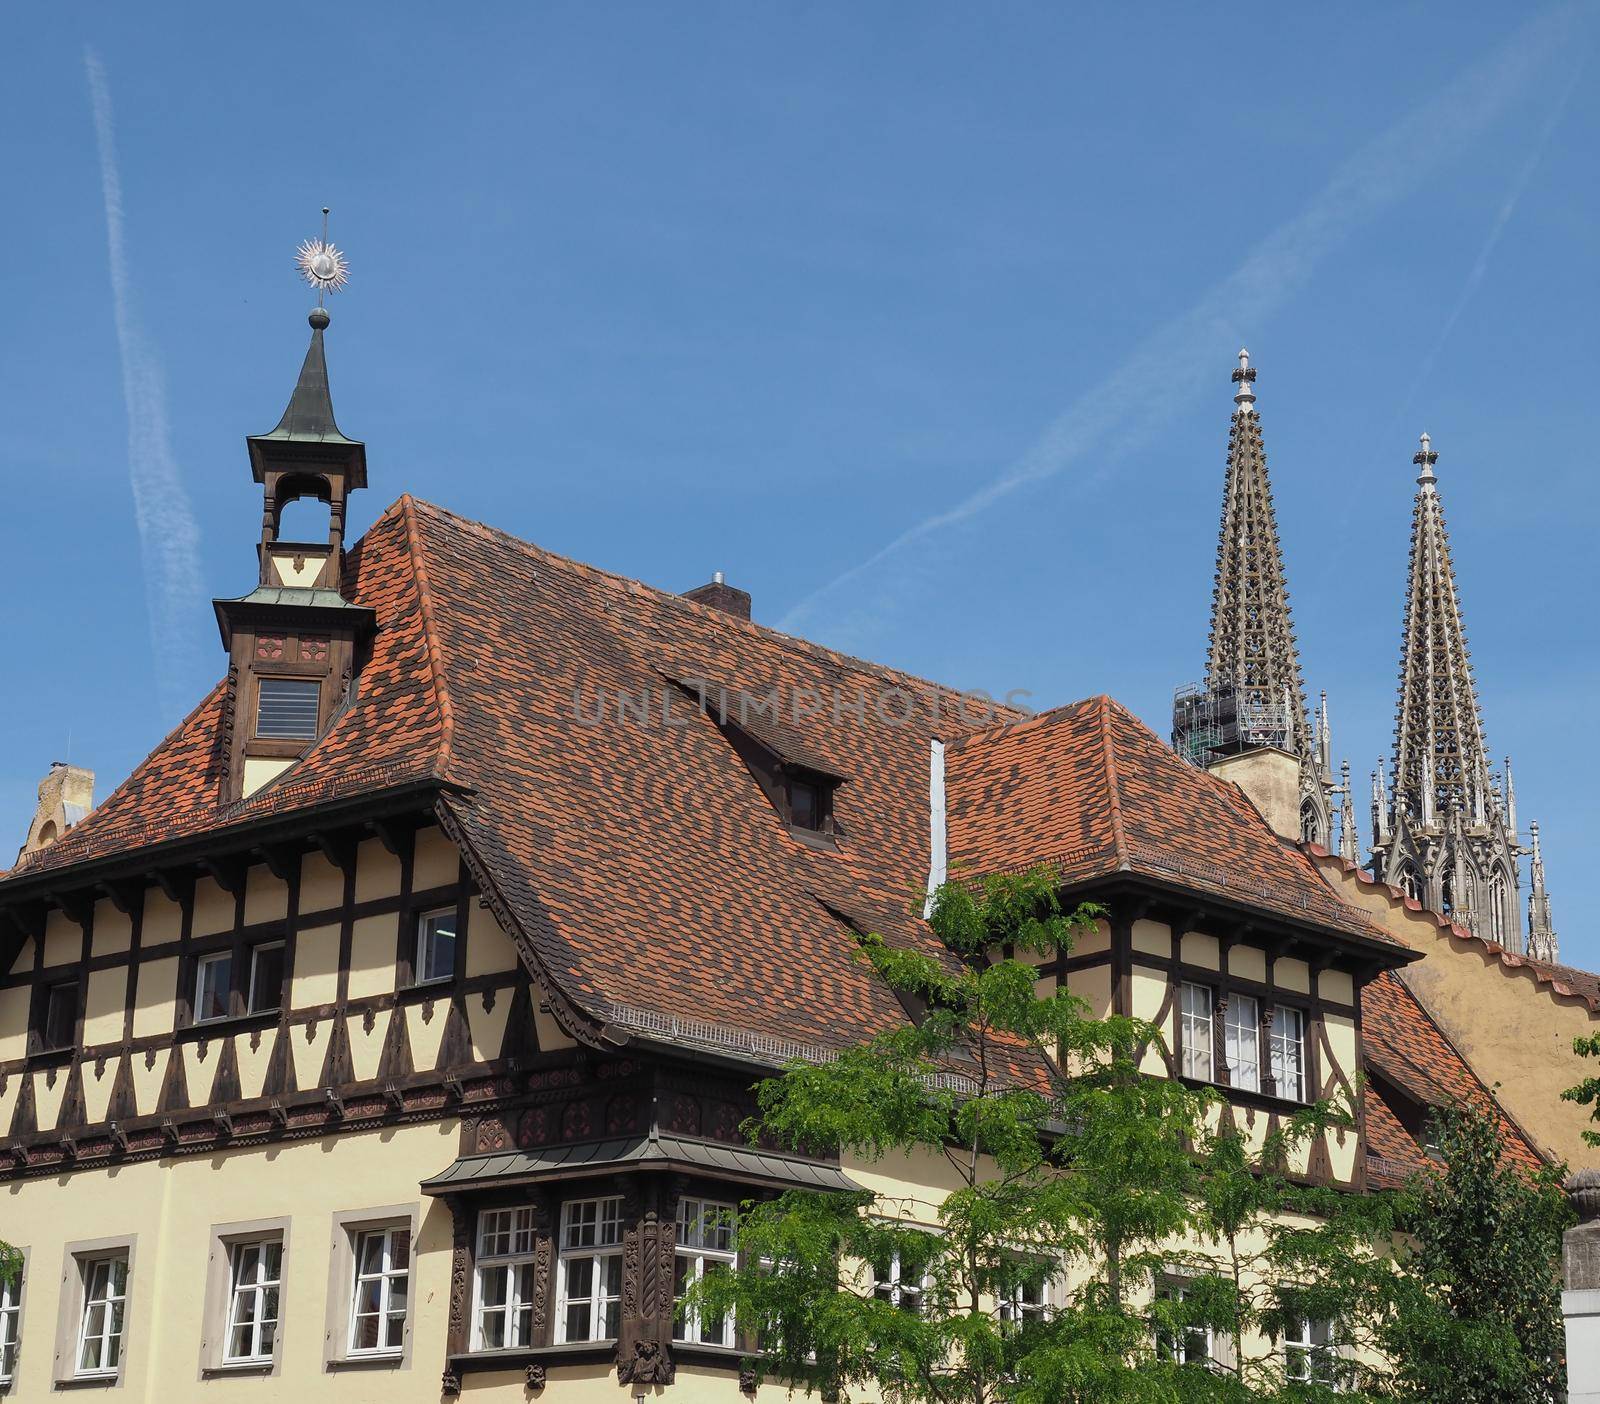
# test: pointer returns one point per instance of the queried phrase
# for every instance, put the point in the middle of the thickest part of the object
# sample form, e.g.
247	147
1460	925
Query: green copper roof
298	596
309	416
307	435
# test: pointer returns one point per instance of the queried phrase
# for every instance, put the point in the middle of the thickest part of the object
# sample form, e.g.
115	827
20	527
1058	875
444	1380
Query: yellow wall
1513	1029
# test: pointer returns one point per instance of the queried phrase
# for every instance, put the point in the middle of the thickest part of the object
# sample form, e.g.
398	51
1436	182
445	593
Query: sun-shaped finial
322	265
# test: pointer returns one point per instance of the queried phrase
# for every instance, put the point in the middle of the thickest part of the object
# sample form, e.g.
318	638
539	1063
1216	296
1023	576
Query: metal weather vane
321	264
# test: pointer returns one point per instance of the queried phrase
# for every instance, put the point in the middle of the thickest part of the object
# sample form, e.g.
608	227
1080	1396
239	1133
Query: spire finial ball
319	318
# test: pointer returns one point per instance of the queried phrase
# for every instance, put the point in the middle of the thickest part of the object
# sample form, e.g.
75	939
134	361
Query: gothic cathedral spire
1254	692
1446	832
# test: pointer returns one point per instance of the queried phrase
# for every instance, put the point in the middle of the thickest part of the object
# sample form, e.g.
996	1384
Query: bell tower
293	641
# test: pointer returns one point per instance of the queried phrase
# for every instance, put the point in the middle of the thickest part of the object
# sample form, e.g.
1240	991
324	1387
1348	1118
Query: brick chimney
721	595
66	794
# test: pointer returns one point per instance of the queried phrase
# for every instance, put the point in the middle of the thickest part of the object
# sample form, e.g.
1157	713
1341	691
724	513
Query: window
382	1282
100	1328
1288	1049
1242	1041
1197	1045
1310	823
287	709
1028	1300
266	978
589	1273
436	947
213	983
10	1321
805	804
504	1315
1497	907
58	1024
705	1245
1188	1345
899	1277
1309	1355
256	1281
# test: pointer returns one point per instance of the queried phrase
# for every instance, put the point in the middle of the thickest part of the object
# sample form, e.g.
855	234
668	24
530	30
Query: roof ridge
1543	972
1113	779
628	582
1003	730
430	632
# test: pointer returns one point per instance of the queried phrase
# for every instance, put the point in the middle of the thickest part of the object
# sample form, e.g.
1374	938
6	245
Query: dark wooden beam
388	833
176	885
338	849
228	873
126	897
27	919
78	905
281	861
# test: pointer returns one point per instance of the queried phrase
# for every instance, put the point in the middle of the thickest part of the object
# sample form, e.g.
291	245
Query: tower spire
1541	935
294	641
1443	836
1253	660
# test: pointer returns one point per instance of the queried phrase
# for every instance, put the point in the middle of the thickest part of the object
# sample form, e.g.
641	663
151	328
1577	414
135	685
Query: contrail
169	539
1178	358
1508	207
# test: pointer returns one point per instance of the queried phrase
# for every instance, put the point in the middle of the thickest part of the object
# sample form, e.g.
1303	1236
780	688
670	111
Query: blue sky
915	319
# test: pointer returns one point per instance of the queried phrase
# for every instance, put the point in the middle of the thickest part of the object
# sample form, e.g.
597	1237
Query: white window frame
71	1315
386	1276
1279	1047
250	996
347	1228
257	1291
707	1238
896	1289
1017	1307
517	1226
1178	1349
88	1265
13	1297
1199	1040
201	965
1302	1347
419	975
1242	1042
599	1221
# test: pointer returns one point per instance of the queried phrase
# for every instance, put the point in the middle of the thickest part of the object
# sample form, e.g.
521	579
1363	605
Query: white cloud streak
169	539
1176	361
1508	207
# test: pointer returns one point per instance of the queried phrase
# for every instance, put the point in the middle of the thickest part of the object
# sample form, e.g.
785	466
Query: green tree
1473	1310
1587	1092
1072	1174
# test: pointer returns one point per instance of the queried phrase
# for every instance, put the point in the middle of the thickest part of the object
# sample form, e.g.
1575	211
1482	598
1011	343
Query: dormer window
810	800
287	710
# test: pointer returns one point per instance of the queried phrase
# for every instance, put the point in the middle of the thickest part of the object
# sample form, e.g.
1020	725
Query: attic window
287	709
810	802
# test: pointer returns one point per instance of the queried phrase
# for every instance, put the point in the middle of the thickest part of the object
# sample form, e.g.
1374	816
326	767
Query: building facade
389	1032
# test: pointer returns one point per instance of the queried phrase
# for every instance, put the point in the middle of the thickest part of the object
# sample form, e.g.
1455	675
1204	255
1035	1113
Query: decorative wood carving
644	1353
535	1375
450	1383
460	1277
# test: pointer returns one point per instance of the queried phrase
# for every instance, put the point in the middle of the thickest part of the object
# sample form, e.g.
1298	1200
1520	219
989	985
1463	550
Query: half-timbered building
388	1032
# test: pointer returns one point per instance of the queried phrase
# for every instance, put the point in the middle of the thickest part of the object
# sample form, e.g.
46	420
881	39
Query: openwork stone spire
1253	663
1448	835
1541	934
1252	627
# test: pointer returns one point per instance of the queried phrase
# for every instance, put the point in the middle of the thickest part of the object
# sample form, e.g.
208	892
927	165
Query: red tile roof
654	881
1092	790
1402	1044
